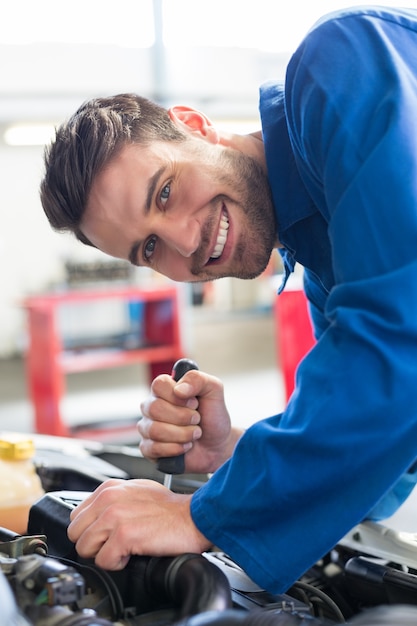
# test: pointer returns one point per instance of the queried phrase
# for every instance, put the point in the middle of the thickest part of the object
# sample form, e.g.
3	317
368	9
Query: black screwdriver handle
176	464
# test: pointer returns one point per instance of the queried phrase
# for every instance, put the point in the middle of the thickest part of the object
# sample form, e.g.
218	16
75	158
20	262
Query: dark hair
86	143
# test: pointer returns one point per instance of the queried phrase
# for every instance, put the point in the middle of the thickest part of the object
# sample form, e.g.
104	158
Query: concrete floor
237	347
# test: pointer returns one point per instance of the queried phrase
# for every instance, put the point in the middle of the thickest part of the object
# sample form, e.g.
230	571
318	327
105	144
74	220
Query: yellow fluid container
20	485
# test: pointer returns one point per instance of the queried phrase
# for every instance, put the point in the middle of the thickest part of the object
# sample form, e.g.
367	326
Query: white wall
31	254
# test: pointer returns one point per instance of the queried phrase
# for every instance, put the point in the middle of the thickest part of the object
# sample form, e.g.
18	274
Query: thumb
199	384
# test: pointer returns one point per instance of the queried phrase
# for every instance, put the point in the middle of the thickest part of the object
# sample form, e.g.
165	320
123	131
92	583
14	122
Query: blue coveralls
341	148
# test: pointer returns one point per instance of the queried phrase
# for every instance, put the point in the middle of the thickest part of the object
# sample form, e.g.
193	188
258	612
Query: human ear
191	120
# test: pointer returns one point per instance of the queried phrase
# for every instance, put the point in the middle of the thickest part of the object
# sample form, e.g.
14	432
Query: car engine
44	582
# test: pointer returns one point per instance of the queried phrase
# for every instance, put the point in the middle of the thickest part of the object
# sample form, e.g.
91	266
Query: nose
182	236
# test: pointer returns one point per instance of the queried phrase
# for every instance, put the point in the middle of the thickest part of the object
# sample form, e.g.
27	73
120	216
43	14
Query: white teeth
221	237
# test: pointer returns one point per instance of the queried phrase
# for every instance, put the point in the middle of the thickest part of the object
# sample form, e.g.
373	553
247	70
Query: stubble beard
252	252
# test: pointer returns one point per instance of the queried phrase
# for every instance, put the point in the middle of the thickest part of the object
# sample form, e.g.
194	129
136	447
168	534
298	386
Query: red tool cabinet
48	361
294	333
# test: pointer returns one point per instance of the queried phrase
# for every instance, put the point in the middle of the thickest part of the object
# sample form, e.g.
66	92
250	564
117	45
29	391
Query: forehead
134	159
127	173
118	197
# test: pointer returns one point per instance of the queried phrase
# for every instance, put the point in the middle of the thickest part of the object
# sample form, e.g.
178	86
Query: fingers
188	391
153	449
169	423
109	539
167	432
188	416
164	387
93	497
159	409
104	525
199	384
128	517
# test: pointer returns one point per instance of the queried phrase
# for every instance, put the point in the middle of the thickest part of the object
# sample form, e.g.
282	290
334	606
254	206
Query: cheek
198	192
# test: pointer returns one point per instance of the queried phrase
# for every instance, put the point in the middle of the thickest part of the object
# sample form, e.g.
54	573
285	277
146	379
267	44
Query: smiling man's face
192	211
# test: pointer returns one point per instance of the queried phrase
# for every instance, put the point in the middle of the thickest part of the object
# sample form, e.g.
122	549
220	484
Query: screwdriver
170	465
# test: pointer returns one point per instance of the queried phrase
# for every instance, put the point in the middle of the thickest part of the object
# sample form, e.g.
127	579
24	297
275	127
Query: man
330	182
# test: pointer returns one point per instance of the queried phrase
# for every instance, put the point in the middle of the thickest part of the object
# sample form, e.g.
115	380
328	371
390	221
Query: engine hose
191	582
256	617
7	535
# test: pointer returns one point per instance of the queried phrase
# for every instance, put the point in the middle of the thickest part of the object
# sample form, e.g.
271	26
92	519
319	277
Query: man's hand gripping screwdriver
170	465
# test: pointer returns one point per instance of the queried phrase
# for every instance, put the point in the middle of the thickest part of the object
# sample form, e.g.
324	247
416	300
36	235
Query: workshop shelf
49	360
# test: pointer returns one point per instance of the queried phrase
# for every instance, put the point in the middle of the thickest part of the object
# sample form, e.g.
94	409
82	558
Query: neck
252	145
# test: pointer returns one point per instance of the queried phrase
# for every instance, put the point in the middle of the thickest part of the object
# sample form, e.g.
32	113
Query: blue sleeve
299	481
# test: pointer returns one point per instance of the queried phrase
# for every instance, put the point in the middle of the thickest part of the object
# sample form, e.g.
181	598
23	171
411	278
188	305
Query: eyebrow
153	181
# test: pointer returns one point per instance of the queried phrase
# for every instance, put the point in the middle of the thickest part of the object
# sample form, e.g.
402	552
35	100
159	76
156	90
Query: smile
221	237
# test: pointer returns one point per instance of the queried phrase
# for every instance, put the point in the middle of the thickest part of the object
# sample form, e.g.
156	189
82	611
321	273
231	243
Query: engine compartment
44	582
